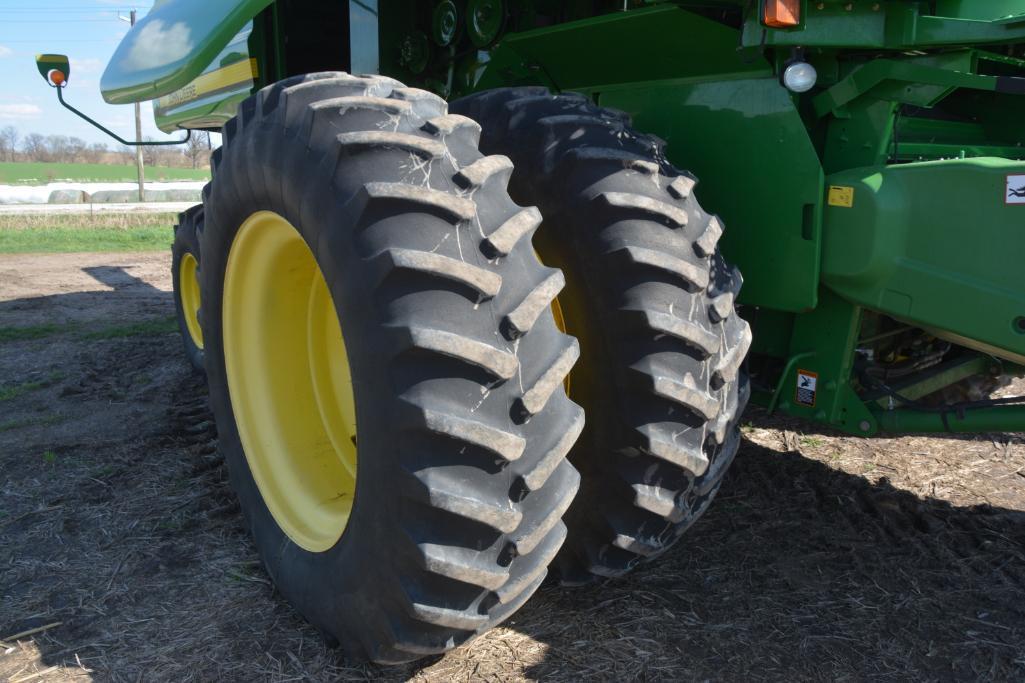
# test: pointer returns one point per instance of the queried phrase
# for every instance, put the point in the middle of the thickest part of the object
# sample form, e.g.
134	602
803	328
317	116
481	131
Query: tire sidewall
430	554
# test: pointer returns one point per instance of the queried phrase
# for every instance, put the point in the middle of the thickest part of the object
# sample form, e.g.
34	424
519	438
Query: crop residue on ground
123	554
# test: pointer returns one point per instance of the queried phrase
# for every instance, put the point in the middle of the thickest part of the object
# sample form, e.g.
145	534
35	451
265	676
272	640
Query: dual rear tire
387	374
651	300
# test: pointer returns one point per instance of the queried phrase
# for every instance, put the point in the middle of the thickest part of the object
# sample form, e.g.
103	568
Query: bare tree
35	147
8	143
64	149
197	148
96	152
59	147
76	149
126	154
150	155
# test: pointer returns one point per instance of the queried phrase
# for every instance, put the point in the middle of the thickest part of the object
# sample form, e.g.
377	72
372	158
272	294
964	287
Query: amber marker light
781	13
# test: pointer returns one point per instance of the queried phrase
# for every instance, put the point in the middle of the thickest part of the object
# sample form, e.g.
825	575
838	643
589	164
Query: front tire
651	300
369	192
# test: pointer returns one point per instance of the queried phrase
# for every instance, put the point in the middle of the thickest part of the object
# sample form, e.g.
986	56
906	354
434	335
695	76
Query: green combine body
876	218
466	314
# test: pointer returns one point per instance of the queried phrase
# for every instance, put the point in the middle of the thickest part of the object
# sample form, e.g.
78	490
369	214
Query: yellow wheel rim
188	290
560	322
289	381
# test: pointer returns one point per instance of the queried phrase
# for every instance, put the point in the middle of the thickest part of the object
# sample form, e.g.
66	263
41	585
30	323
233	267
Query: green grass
69	240
15	390
30	422
145	328
9	334
70	233
29	173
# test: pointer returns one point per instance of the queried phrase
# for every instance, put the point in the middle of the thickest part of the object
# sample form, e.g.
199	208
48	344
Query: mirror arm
60	96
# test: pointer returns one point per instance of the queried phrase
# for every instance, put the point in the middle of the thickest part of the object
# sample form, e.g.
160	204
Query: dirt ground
123	554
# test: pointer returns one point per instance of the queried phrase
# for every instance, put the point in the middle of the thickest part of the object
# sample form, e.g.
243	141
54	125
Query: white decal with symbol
1015	189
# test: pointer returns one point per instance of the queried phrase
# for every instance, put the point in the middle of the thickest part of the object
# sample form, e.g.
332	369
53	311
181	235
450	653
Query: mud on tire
463	428
652	302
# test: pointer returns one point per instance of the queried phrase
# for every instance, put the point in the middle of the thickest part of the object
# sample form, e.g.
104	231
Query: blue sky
87	31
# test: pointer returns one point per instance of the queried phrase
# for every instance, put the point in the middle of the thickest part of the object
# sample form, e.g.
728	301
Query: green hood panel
172	45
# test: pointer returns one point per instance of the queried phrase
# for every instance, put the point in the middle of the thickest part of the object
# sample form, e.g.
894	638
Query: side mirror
55	69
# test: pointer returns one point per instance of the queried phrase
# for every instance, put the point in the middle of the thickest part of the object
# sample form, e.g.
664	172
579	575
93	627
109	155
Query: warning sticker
841	195
1015	189
807	386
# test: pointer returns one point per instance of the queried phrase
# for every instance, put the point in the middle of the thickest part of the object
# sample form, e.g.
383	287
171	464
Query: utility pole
138	128
138	138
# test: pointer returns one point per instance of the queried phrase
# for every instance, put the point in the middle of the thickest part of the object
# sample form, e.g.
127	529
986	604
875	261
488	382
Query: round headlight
800	77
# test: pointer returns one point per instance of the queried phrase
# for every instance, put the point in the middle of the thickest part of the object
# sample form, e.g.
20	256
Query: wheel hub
289	381
188	291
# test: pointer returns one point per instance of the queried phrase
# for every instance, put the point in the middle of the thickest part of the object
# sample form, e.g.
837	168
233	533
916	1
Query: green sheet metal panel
681	76
757	169
651	44
172	45
938	244
980	9
895	25
212	98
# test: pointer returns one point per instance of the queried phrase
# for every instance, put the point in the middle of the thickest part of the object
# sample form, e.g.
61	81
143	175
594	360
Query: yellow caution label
841	195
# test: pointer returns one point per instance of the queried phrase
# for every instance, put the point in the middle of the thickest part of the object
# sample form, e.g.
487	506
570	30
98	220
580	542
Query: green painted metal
130	143
935	244
779	191
985	420
973	9
823	344
863	110
736	102
636	47
935	380
917	113
907	81
56	70
212	98
895	25
172	45
47	63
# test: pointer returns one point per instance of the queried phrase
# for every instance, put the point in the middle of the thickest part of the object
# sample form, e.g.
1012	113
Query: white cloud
19	111
155	45
89	65
5	51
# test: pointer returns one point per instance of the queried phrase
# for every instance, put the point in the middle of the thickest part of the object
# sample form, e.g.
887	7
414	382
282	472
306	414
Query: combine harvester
393	273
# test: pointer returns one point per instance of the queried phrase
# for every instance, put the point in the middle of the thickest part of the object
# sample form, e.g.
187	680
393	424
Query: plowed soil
124	556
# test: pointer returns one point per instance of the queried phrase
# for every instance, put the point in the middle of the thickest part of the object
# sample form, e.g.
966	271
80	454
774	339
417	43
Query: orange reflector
782	13
57	77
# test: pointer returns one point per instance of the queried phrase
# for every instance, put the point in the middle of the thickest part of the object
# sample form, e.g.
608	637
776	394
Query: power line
64	13
59	21
81	6
62	42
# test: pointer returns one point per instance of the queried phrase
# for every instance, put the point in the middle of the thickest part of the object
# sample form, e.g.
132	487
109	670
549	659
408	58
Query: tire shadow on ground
799	570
